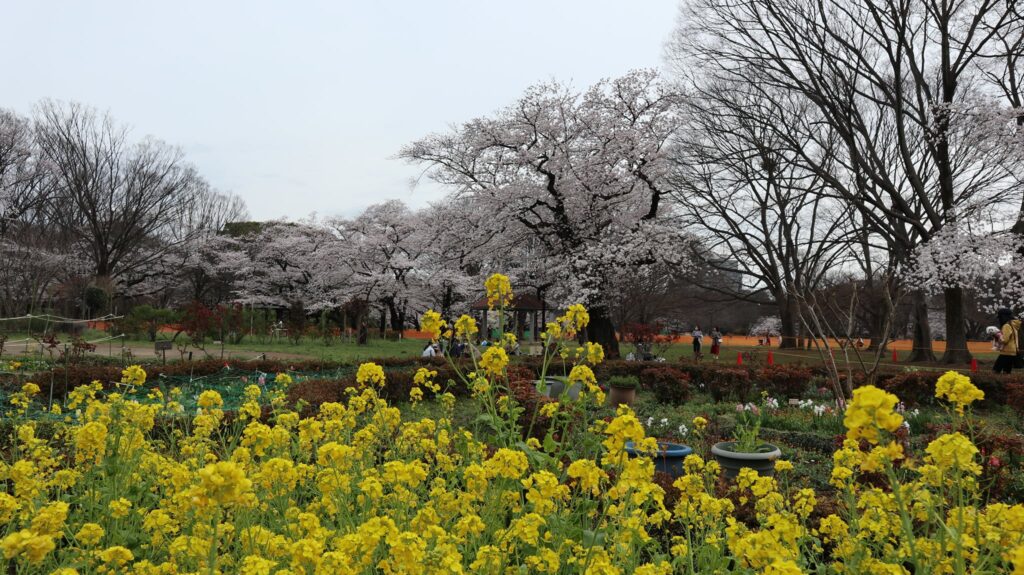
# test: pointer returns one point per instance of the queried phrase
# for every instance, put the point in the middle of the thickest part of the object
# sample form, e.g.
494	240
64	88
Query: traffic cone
895	356
771	358
974	365
739	358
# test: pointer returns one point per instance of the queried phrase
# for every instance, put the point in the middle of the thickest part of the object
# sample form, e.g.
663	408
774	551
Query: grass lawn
338	350
19	345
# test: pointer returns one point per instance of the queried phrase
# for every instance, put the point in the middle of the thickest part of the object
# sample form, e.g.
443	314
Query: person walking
1010	332
716	342
698	338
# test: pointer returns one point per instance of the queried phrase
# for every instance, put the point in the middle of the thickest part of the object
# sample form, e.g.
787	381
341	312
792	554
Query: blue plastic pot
668	459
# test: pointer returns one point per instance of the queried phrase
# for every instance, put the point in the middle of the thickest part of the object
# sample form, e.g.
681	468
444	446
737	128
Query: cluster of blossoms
957	389
818	409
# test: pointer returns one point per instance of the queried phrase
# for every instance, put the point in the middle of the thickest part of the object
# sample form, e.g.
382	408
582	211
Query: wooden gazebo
528	312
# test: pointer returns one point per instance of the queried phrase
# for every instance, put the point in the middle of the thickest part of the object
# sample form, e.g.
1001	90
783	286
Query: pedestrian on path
698	339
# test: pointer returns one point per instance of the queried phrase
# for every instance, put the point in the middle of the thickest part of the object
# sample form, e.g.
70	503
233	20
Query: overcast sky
300	107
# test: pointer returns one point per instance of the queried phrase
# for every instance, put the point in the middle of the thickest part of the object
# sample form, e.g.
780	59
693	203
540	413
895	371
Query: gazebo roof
520	302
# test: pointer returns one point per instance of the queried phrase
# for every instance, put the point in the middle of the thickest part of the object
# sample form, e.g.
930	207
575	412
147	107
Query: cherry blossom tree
582	173
282	263
989	264
383	250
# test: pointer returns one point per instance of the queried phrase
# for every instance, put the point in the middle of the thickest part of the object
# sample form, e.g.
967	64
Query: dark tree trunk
602	331
397	318
922	341
878	317
788	317
446	302
956	328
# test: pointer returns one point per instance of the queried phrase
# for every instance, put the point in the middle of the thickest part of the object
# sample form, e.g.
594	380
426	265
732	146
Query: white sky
300	106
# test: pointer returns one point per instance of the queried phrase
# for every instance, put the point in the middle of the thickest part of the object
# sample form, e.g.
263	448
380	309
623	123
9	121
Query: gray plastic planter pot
553	388
669	457
761	461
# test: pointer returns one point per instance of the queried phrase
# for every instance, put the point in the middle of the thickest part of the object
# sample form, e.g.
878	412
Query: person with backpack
1010	336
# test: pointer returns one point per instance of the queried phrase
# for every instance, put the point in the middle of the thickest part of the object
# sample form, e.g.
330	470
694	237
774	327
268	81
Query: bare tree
908	65
119	201
22	185
760	211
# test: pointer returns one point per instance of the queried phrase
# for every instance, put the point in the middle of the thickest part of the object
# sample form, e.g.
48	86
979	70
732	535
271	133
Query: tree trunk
397	318
956	329
602	331
878	318
922	342
446	302
788	315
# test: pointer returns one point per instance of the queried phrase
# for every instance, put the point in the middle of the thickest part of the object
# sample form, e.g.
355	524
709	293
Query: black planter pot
761	461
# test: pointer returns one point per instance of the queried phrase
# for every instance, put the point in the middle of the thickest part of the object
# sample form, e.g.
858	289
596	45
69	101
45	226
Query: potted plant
668	458
622	390
554	386
746	450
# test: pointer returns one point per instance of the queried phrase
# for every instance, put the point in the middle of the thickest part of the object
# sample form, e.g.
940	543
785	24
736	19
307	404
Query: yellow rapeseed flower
494	360
224	483
89	534
32	546
210	399
575	319
499	291
953	452
370	374
465	328
1017	557
958	390
871	410
133	375
432	324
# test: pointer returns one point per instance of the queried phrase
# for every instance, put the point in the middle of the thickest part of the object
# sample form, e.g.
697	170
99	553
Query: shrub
668	384
314	392
624	381
526	395
785	381
729	384
1015	397
913	387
